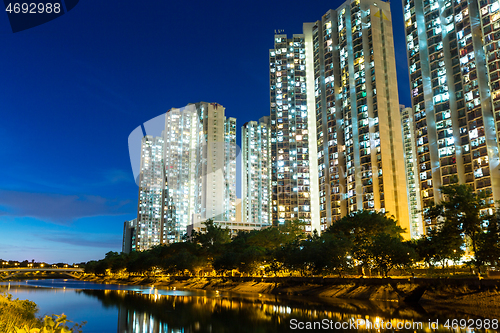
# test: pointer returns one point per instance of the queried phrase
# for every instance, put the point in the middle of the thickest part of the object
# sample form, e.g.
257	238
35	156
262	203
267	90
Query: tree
296	256
227	261
178	258
387	252
440	245
489	242
140	262
460	211
250	255
100	267
318	255
116	261
90	267
362	228
291	231
212	240
334	253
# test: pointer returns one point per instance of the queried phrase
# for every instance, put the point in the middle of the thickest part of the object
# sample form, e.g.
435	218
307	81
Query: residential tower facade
292	136
256	172
353	86
200	164
150	212
411	168
454	84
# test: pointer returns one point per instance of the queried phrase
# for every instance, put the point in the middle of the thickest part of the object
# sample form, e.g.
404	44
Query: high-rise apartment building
230	155
180	166
453	67
490	24
129	236
292	135
200	164
351	81
152	197
411	168
256	172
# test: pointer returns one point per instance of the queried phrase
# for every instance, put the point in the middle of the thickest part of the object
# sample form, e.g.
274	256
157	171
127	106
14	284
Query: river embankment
469	292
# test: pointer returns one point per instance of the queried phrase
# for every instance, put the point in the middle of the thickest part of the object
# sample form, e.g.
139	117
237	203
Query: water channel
141	309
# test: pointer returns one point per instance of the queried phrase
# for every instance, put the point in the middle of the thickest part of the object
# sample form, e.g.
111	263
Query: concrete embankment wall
385	289
435	282
374	289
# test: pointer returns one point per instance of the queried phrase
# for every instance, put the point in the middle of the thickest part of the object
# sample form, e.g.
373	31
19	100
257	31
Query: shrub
14	313
51	324
19	316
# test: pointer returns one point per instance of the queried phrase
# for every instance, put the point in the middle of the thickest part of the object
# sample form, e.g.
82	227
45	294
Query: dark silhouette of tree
440	245
489	242
178	258
333	255
211	241
140	262
460	212
363	228
387	252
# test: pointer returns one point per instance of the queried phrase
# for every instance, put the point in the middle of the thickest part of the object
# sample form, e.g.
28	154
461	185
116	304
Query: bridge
72	272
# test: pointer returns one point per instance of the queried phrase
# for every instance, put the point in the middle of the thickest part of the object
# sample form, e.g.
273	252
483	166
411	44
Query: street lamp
454	263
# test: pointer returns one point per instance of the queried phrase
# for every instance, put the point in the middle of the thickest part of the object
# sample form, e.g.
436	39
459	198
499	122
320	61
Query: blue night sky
73	89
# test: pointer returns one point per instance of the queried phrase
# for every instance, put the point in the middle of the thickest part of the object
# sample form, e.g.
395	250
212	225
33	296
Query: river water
141	309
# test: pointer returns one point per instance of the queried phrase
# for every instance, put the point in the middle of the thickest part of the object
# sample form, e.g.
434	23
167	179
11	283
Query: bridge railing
40	269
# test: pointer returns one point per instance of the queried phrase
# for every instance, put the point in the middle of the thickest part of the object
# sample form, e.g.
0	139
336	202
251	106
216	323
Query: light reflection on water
141	309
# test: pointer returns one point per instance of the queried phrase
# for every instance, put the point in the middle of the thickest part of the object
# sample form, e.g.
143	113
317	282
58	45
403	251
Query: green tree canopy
440	245
489	242
212	240
460	212
363	228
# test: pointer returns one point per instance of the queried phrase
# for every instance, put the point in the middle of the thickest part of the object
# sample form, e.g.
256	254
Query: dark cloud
100	241
18	248
60	208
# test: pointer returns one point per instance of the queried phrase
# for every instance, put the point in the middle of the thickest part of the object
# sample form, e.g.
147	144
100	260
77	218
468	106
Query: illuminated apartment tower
490	19
452	94
200	163
151	194
291	134
180	145
353	87
256	172
216	164
129	236
230	170
411	167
